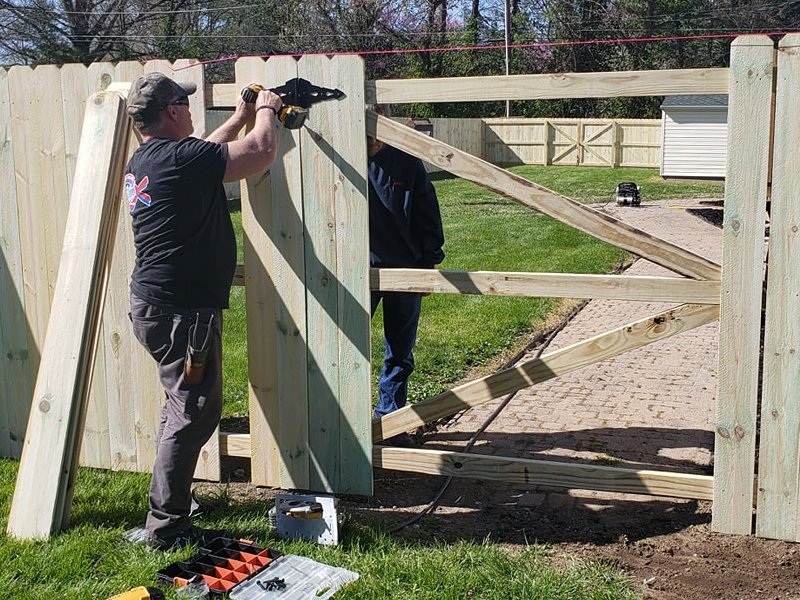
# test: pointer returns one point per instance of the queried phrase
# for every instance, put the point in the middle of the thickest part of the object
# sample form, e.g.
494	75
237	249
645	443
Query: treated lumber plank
322	282
747	167
133	417
551	285
49	459
95	449
547	86
288	274
546	201
560	362
778	460
262	358
352	228
276	322
526	87
16	370
545	472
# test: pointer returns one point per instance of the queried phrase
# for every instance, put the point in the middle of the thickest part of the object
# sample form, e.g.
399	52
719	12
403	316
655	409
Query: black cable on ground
548	338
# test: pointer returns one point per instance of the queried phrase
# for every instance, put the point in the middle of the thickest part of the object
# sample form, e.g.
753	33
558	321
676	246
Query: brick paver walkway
649	407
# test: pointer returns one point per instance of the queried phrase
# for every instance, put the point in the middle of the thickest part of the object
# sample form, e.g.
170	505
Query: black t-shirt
182	230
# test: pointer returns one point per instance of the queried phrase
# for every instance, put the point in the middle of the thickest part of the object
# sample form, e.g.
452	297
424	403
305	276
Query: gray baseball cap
152	92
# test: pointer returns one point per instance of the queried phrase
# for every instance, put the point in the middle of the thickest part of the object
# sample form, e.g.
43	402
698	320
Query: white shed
694	136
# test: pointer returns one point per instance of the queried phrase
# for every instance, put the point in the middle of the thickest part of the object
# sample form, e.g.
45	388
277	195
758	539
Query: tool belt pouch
194	368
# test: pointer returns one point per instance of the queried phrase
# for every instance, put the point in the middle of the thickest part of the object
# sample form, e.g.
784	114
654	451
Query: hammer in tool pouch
197	350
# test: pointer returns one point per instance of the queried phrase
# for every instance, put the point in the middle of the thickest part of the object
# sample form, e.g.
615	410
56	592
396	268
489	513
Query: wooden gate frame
705	291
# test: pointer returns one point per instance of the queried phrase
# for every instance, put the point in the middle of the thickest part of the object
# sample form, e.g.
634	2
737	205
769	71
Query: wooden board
740	304
778	460
272	218
95	451
546	86
528	373
320	209
133	393
551	285
546	201
16	371
349	162
49	460
545	472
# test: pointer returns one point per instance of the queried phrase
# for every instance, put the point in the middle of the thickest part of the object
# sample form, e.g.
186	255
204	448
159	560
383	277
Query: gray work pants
190	414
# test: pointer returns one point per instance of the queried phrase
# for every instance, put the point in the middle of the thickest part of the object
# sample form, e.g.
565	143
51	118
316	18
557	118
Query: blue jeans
400	320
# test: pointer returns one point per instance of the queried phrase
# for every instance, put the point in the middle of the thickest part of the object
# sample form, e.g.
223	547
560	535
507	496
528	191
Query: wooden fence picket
17	370
778	460
750	102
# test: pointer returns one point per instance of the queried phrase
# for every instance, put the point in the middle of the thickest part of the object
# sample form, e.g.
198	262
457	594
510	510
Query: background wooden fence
566	142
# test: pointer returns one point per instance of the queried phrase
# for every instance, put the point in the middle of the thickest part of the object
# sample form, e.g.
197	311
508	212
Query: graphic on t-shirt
135	191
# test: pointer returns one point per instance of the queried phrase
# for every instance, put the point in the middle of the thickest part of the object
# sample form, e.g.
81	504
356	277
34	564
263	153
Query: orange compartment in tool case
223	564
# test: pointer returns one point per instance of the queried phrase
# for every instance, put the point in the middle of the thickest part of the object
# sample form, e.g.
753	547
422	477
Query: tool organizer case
223	564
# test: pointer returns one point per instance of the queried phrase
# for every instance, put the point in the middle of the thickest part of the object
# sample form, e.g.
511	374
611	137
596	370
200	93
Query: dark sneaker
193	536
401	440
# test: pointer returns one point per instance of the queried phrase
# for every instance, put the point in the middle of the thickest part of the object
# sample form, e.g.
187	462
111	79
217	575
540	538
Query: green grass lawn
92	561
483	231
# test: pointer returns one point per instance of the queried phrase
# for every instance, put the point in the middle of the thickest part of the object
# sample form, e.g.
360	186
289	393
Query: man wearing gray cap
185	260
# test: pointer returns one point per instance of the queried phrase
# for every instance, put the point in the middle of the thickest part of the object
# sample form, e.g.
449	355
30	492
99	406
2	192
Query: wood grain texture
779	441
546	201
47	469
547	86
95	449
325	420
352	251
528	373
16	371
552	285
134	394
544	472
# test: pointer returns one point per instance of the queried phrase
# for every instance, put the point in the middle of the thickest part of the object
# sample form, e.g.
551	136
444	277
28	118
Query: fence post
749	123
778	477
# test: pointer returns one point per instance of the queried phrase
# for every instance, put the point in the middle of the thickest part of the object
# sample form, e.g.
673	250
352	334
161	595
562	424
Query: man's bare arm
256	151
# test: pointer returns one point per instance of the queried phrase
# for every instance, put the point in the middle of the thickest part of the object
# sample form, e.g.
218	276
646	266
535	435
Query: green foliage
92	560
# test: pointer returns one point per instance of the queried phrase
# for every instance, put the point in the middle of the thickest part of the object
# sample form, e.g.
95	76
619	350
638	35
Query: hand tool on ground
298	96
140	593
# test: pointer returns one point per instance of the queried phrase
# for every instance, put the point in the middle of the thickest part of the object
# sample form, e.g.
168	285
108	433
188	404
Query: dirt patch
665	545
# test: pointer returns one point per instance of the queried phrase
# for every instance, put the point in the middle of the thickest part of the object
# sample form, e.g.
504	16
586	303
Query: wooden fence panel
778	460
576	142
638	143
17	371
750	102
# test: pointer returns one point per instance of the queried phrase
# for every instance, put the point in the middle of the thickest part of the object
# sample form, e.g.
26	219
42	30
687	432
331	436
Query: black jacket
405	226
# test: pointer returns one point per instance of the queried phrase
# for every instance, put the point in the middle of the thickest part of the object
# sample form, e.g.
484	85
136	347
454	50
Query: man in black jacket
405	231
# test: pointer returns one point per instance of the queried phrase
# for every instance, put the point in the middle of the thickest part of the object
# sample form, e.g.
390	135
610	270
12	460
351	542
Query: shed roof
696	101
